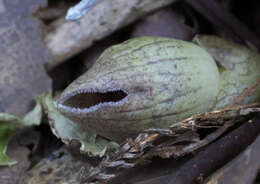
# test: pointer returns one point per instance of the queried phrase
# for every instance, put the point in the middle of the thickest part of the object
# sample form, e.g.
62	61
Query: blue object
80	9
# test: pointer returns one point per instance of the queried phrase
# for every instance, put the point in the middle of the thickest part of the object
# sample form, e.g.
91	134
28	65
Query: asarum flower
146	82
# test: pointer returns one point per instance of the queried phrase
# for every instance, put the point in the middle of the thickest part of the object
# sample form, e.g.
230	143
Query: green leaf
10	123
67	130
35	116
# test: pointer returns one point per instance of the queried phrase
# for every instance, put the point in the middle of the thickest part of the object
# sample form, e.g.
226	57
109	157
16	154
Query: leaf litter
179	140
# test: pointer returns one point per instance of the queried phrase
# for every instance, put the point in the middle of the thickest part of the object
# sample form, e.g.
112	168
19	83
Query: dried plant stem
213	156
